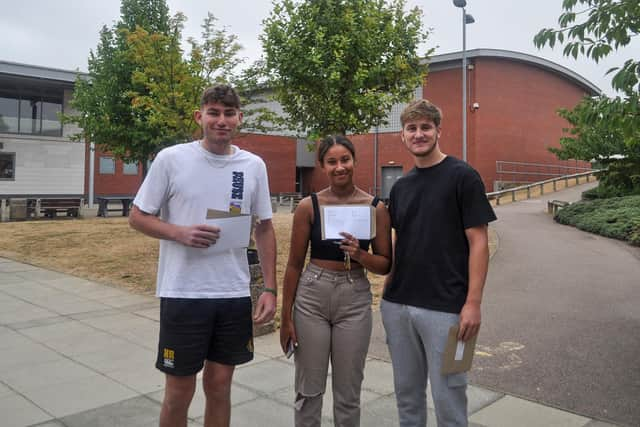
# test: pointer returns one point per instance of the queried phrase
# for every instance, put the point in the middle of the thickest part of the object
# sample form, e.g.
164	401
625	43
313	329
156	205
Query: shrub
616	217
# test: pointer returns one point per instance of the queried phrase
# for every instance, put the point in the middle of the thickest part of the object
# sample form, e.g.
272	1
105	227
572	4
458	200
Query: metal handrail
496	195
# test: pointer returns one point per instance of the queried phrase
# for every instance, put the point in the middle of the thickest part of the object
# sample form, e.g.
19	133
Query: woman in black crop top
326	308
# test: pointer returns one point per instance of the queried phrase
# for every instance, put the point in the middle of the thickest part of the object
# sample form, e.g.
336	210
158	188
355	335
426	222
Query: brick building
517	97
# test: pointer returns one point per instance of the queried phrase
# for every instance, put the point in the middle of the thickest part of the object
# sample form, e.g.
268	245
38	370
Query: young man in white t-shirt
205	308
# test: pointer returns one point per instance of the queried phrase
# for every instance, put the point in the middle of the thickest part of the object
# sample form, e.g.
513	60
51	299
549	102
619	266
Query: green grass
616	217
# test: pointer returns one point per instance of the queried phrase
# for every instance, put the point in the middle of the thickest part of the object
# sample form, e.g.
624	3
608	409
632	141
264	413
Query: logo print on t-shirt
237	192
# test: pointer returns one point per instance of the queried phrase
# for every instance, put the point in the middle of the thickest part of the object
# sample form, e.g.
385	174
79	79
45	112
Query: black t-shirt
430	209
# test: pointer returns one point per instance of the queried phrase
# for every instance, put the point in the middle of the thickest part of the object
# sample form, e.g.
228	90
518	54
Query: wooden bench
51	207
104	209
553	206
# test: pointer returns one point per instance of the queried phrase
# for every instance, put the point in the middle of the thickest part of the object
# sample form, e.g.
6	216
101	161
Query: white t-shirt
183	182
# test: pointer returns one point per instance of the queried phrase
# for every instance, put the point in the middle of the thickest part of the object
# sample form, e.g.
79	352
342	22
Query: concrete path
76	353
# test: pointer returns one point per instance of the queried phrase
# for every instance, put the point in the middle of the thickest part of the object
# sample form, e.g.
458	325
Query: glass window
130	168
7	166
107	166
8	113
30	115
51	124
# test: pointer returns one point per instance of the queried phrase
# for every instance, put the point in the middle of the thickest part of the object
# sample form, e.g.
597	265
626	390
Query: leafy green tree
103	102
603	129
142	87
339	65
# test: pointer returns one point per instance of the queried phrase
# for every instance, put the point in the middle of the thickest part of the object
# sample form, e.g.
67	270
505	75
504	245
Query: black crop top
326	249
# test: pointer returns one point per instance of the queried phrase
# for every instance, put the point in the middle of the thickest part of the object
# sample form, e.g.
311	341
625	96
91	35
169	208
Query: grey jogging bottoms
417	338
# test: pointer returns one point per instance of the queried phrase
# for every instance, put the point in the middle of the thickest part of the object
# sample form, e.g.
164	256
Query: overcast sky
61	34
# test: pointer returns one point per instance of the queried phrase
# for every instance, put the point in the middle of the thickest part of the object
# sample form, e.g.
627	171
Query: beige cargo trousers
332	317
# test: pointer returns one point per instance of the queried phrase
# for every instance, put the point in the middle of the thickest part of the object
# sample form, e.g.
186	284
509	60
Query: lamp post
466	19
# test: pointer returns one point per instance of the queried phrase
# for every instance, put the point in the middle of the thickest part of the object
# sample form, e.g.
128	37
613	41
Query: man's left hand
469	321
265	308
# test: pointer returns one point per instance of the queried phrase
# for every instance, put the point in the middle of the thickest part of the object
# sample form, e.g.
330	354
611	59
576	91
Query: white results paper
353	219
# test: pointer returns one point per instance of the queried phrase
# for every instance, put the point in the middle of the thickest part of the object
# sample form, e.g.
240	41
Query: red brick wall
278	153
517	121
116	184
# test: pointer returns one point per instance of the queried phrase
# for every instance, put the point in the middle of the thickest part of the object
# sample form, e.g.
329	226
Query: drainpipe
92	171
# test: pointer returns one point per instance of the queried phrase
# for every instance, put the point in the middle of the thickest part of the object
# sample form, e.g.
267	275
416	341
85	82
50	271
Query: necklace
338	197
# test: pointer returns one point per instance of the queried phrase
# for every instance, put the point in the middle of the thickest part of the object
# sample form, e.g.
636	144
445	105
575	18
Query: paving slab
5	391
53	423
268	345
595	423
122	301
39	375
26	354
9	278
287	396
142	377
41	274
378	377
38	322
16	267
262	411
479	398
265	377
383	412
79	395
510	411
128	326
19	412
78	340
19	311
76	285
136	412
116	358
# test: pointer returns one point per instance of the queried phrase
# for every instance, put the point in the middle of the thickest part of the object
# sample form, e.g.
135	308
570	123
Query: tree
103	102
339	65
142	88
604	129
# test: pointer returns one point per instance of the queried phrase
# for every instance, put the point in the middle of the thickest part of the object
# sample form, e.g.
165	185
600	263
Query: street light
466	19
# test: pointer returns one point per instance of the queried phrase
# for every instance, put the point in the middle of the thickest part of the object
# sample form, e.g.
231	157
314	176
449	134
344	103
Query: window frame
113	160
13	160
131	172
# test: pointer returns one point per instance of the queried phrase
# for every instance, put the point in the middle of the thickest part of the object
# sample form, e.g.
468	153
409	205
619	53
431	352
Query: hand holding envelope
235	230
357	220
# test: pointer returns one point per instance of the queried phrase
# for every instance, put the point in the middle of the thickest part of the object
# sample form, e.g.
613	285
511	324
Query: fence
496	195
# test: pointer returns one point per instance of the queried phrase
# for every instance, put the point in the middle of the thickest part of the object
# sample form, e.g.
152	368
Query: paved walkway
76	353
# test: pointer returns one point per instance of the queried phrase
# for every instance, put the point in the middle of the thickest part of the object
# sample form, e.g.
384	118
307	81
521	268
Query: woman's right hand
287	333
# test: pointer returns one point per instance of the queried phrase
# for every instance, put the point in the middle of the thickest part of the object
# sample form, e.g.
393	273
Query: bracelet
270	290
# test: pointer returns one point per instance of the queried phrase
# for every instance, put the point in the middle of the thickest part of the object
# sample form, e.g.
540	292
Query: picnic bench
104	209
50	207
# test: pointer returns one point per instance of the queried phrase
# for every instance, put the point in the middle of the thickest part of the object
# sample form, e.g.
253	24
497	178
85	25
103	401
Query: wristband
270	290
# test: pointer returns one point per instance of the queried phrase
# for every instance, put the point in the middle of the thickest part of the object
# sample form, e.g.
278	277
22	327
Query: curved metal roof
444	61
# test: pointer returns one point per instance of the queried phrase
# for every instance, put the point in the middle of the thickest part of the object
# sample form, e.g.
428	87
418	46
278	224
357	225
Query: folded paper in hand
235	230
357	220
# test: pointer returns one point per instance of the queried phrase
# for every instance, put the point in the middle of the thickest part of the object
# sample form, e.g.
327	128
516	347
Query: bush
606	191
616	217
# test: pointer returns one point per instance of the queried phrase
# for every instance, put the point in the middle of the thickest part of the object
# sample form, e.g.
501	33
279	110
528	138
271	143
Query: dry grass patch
107	250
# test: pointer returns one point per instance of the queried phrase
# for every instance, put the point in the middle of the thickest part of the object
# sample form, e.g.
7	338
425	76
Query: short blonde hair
421	109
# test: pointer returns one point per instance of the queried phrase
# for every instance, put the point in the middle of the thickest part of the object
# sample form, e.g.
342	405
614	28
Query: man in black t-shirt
440	213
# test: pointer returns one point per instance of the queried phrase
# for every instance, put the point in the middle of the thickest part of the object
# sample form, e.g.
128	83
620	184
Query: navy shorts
195	330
